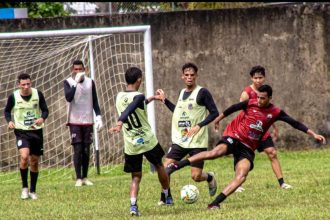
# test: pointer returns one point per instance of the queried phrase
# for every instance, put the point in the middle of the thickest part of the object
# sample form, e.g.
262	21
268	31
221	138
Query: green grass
308	171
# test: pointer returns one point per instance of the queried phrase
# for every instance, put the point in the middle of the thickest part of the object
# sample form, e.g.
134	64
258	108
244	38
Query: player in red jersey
242	136
258	75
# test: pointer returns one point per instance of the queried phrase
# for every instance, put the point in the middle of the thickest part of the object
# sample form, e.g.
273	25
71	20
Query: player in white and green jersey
194	110
138	137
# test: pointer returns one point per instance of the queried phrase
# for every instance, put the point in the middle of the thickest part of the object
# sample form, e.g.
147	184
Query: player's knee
24	159
272	153
197	177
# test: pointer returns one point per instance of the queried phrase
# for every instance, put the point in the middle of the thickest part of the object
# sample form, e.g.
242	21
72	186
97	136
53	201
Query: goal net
47	56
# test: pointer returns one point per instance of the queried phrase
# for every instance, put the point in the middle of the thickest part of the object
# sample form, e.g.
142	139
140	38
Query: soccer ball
189	194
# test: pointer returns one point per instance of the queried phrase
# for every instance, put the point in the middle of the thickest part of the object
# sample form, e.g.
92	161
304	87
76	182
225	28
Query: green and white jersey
186	115
25	112
138	136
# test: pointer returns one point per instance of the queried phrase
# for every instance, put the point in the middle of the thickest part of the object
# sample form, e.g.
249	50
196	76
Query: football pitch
308	171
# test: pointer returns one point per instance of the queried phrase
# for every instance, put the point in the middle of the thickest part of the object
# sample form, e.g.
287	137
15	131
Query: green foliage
39	9
307	171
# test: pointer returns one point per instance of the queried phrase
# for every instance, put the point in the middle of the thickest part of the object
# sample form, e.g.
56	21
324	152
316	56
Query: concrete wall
291	42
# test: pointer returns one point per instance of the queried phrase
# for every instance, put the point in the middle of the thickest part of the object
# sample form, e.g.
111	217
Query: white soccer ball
189	194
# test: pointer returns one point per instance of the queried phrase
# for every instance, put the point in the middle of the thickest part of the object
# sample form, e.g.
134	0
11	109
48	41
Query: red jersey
250	127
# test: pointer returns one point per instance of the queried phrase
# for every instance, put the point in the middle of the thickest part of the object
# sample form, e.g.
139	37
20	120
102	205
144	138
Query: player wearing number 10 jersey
138	137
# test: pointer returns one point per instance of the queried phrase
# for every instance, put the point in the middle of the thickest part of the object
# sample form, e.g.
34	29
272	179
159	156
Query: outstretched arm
160	93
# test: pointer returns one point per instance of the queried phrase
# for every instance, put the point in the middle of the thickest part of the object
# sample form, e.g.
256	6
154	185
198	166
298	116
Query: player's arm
162	97
96	105
204	98
69	91
244	96
43	108
9	106
300	126
234	108
137	102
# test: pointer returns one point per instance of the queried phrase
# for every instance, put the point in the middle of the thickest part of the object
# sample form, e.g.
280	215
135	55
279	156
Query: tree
38	9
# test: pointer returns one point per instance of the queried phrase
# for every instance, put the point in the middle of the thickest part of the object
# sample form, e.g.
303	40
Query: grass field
308	171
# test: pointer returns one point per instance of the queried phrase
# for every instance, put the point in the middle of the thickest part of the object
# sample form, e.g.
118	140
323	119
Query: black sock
220	198
280	181
34	179
24	177
77	158
85	160
209	178
183	163
169	192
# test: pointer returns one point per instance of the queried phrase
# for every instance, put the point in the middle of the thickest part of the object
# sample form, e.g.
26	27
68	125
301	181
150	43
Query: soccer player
81	97
258	75
30	112
189	125
138	137
243	135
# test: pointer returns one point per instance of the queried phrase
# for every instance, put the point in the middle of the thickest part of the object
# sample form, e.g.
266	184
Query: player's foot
172	167
134	210
212	184
79	182
165	201
33	195
87	182
286	186
25	193
239	189
213	206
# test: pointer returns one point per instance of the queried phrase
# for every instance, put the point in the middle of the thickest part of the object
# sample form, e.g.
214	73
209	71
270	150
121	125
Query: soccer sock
183	163
280	181
24	176
77	148
85	160
34	179
165	191
209	178
219	199
133	201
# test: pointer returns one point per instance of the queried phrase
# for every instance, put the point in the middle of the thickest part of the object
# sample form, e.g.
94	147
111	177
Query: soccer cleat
169	200
25	193
172	167
239	189
212	184
134	210
33	195
79	183
213	206
165	201
87	182
286	186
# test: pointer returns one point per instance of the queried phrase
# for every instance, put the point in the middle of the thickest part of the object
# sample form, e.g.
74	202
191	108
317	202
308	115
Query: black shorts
133	163
32	139
81	134
177	153
266	144
239	150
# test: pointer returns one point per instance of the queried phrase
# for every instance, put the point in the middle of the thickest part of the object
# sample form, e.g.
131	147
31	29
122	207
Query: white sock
165	191
133	201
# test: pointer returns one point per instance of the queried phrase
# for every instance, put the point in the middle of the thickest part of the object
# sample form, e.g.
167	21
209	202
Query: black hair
266	88
257	69
132	74
78	62
189	65
23	76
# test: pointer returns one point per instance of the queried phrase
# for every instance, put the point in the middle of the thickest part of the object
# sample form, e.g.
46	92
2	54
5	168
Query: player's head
265	93
189	74
258	75
24	83
78	66
133	75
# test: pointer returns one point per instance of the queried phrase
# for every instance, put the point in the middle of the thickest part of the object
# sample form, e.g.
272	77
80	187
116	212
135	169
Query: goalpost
47	56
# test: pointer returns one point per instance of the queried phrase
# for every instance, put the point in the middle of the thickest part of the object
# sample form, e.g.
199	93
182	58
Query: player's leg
76	141
87	137
34	173
133	165
24	171
155	156
268	147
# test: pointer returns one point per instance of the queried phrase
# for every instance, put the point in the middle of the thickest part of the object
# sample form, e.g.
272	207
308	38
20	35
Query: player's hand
79	77
117	128
216	126
39	121
11	125
192	131
320	138
98	123
160	94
